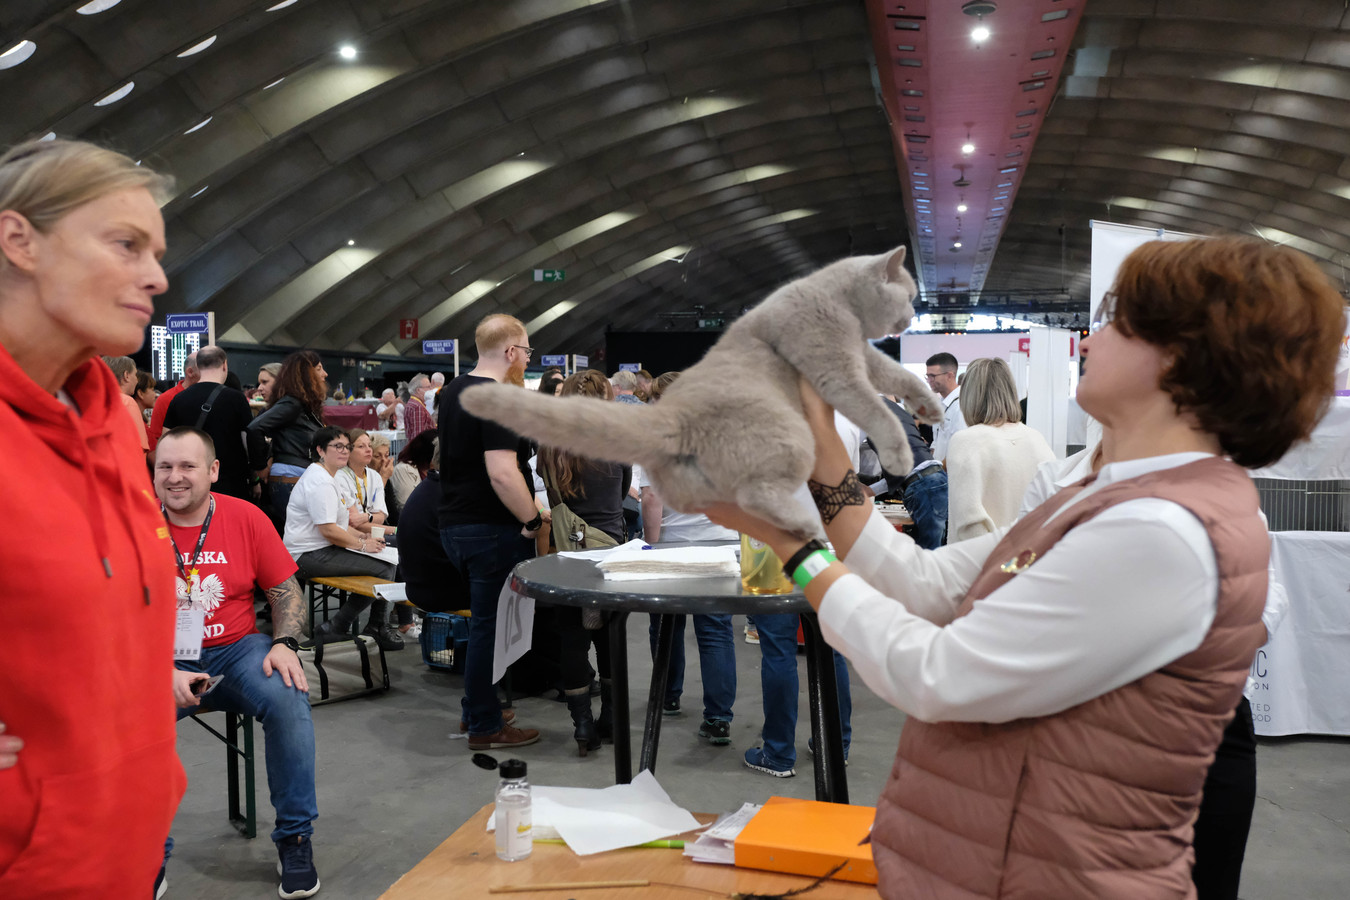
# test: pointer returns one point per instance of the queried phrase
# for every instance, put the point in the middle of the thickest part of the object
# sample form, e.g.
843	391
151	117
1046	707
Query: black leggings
575	643
1226	811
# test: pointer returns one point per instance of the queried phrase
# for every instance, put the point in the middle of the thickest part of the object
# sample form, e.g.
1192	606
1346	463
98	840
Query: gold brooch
1019	563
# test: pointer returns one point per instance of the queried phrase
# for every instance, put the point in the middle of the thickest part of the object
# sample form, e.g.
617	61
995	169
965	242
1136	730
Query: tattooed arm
288	609
288	617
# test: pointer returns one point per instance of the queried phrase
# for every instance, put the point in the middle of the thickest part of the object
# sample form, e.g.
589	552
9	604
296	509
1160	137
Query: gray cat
731	427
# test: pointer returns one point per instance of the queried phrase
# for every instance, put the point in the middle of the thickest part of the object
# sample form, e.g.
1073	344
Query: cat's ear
895	264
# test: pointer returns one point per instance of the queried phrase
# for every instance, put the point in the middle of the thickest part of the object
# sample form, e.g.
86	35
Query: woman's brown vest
1097	801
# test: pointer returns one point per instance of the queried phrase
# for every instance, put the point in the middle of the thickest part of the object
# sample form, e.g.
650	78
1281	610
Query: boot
579	705
378	627
604	725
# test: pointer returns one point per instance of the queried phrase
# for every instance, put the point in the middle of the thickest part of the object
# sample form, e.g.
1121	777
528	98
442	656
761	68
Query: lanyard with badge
187	638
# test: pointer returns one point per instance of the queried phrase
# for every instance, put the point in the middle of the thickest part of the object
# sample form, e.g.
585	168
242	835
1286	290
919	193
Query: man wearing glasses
488	517
942	378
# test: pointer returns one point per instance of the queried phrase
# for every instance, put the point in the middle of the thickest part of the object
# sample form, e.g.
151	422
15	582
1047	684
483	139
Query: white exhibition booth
1302	675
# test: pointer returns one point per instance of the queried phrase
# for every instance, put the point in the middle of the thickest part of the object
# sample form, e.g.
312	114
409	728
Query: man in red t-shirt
161	408
225	547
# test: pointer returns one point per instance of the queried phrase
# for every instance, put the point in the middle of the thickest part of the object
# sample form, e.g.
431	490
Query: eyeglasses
1106	313
932	376
341	448
529	351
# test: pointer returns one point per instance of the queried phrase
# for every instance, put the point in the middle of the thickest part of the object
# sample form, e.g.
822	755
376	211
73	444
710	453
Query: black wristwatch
289	642
535	523
800	556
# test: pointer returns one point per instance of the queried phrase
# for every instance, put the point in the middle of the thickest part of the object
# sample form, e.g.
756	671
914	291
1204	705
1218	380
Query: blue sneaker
754	759
299	878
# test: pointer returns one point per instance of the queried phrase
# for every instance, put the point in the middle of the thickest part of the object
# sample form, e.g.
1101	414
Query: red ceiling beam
942	88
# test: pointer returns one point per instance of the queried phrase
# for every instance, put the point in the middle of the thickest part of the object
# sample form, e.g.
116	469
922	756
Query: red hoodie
87	614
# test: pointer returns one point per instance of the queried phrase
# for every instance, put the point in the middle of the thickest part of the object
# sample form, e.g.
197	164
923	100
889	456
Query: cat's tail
583	426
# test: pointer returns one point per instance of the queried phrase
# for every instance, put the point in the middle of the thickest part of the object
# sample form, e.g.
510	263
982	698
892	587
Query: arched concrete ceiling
667	155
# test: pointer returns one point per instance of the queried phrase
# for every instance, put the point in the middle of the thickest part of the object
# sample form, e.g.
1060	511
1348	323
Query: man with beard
487	515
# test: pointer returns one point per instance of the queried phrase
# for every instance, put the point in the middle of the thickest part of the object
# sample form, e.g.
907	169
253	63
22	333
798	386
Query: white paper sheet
394	593
634	544
515	629
593	820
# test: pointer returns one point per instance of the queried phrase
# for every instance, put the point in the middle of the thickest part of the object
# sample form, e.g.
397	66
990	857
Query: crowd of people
1069	657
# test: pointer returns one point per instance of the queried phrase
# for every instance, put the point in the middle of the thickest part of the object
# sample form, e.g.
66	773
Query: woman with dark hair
294	412
1068	680
413	462
322	540
551	382
146	393
593	490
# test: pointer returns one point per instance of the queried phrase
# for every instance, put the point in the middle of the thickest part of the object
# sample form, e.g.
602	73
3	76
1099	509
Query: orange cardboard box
807	837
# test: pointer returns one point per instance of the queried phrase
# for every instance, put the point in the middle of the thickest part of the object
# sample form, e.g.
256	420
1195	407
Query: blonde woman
992	460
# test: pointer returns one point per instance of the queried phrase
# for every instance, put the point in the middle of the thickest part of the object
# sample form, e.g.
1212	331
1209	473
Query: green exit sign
549	274
711	323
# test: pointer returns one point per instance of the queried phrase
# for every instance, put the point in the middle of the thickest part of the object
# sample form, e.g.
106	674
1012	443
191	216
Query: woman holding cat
1068	680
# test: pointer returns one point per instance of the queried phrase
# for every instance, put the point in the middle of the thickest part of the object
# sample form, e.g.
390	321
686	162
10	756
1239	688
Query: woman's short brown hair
1252	331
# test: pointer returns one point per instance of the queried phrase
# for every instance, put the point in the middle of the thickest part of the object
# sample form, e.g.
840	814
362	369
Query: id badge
187	636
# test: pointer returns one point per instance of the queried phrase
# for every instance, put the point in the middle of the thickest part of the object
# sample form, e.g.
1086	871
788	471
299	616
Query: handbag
344	669
570	531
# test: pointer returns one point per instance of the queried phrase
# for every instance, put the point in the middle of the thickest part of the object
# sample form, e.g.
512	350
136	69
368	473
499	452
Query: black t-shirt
604	485
227	423
467	497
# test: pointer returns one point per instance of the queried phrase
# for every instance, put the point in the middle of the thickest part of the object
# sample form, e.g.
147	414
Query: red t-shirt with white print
242	550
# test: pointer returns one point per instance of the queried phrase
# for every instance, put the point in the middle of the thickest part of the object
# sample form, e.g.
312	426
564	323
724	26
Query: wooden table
466	865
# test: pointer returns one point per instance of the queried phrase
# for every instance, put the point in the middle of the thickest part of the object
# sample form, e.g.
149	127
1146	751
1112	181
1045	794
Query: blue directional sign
433	347
629	367
580	362
187	323
559	361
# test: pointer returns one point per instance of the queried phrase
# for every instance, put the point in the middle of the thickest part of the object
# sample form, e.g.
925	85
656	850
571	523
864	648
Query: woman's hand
356	518
729	515
385	469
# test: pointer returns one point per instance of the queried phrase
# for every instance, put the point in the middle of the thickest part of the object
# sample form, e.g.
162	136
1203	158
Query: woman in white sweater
990	463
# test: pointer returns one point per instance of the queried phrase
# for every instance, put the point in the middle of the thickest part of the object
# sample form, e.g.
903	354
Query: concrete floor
392	785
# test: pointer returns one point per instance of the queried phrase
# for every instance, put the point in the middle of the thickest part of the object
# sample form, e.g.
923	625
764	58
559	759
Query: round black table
563	581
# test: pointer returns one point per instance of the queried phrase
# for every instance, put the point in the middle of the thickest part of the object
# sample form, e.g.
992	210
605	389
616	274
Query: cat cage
1305	505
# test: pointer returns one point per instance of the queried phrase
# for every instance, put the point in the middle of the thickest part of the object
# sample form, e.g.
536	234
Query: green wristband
812	566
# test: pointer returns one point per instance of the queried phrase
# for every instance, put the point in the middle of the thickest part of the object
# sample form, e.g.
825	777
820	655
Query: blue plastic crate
445	641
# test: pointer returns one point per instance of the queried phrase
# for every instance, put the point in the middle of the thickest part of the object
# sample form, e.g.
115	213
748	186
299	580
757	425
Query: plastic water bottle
514	828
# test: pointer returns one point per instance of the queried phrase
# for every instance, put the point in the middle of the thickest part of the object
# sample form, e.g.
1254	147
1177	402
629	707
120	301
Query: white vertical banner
1343	364
1111	243
515	629
1048	382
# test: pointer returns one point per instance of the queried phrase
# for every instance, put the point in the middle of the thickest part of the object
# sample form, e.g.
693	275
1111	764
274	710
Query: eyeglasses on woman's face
340	447
1106	313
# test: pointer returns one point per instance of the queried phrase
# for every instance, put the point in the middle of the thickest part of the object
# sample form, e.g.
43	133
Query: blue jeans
926	500
716	662
288	730
486	554
779	683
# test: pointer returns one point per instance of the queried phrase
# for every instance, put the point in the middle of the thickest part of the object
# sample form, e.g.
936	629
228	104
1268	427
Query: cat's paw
926	409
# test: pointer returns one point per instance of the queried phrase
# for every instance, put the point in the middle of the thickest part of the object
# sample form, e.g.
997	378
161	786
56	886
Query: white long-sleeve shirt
953	420
1118	597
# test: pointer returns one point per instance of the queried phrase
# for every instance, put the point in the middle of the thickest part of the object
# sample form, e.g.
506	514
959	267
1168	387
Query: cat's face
887	295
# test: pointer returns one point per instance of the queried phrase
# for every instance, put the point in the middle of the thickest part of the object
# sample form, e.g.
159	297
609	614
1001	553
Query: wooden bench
246	823
324	588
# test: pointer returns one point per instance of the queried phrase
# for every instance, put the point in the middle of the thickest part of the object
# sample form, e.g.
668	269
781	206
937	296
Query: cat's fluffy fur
731	427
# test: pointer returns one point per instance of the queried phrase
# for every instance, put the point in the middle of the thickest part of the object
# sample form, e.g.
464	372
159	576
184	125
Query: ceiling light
956	245
17	54
94	7
200	191
51	136
200	125
351	243
117	94
979	34
967	148
961	207
282	5
198	47
348	52
274	84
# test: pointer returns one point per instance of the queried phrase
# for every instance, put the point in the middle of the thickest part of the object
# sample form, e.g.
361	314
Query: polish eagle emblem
205	594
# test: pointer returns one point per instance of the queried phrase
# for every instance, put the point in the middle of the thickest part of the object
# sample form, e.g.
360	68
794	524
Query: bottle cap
513	768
